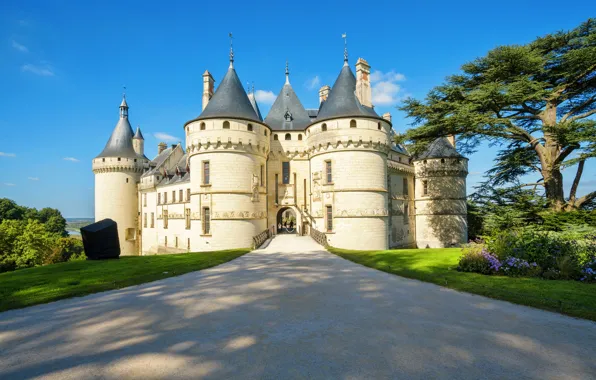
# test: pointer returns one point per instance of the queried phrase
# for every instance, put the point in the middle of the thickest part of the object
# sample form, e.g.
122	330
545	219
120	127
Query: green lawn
49	283
439	267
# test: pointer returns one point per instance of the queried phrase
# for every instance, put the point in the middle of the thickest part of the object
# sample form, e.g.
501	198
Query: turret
348	145
440	196
138	142
117	171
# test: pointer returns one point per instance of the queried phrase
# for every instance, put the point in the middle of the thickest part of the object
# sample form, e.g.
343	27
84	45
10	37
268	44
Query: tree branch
583	115
578	108
578	176
565	152
586	198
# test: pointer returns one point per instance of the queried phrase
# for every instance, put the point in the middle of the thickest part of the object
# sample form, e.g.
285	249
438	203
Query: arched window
379	126
300	137
352	123
265	130
275	136
250	127
324	127
226	125
202	126
288	136
442	160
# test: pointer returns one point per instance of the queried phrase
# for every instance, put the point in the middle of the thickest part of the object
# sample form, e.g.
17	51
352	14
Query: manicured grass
49	283
439	267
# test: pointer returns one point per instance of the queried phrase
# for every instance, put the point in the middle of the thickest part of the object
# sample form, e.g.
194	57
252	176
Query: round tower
348	145
440	196
228	146
117	170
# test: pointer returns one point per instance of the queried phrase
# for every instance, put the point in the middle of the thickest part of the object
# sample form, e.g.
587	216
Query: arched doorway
286	221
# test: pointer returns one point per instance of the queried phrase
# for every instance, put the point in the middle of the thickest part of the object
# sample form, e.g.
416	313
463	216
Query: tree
53	220
10	210
535	101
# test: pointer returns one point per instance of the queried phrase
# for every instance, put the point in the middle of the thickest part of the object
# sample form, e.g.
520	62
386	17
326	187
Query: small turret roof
342	100
120	142
230	100
138	135
255	106
440	148
287	113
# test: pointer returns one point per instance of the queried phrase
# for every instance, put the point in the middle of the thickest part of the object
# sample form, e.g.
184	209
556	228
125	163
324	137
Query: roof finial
123	104
345	37
124	92
287	73
231	51
253	87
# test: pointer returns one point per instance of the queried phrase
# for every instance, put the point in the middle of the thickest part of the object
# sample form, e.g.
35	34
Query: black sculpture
100	240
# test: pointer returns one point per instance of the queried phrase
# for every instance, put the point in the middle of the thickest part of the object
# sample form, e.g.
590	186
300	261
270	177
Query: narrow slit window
425	187
405	185
206	221
187	218
206	173
329	214
328	171
285	172
152	220
262	175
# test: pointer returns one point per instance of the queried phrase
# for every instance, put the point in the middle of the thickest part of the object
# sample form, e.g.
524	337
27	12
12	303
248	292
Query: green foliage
535	101
33	246
475	221
473	260
51	217
66	249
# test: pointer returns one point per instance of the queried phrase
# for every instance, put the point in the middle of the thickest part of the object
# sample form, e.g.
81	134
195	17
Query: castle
335	169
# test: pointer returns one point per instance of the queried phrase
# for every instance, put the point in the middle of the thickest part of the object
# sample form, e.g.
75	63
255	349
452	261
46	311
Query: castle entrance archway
286	221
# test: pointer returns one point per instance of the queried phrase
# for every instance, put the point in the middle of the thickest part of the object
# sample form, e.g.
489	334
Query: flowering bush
588	272
477	259
513	266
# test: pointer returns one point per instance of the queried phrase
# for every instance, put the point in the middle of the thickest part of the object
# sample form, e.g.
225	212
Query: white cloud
313	83
165	137
19	47
9	184
265	97
385	90
33	178
4	154
43	70
71	159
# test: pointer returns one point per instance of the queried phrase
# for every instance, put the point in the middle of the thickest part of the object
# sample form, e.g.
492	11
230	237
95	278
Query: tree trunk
553	178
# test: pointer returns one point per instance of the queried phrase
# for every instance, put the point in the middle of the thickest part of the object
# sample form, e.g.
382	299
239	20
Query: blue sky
63	65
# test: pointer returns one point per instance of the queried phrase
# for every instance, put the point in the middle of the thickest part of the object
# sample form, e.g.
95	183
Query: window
264	130
206	173
176	241
202	126
165	240
352	123
379	126
129	234
324	127
288	136
165	198
145	220
329	215
165	219
145	200
262	175
425	187
103	160
226	125
206	221
187	218
285	172
275	136
152	220
300	137
328	171
135	160
118	158
173	196
442	160
250	127
276	188
181	195
127	180
406	215
188	244
158	198
405	186
188	195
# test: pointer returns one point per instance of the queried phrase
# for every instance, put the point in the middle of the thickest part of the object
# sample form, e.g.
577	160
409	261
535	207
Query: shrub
66	249
476	258
588	272
514	266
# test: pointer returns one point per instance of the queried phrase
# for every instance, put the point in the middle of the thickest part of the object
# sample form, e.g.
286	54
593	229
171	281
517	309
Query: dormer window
288	116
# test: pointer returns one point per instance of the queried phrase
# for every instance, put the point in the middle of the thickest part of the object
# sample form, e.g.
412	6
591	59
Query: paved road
292	310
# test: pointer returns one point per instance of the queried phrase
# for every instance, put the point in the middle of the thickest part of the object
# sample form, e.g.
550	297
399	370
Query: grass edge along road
439	266
48	283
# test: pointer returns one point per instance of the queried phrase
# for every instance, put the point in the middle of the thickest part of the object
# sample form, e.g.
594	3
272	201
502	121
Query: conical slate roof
287	113
230	100
342	100
138	135
440	148
120	142
255	106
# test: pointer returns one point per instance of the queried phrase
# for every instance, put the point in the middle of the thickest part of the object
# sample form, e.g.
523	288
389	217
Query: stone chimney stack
363	89
451	139
324	93
161	147
208	84
387	116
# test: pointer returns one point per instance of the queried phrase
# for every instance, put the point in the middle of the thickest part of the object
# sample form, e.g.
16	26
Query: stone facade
237	176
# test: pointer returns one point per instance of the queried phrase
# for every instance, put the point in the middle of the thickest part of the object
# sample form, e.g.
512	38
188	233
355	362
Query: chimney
451	139
324	93
387	116
208	83
363	90
161	147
